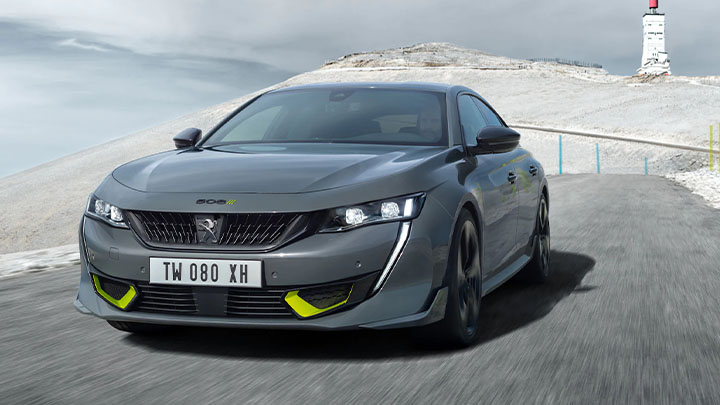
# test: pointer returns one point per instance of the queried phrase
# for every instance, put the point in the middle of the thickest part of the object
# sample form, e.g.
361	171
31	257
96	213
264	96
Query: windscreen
369	116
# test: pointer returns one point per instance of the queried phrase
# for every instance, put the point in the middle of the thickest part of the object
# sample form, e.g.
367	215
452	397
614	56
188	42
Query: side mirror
187	137
496	140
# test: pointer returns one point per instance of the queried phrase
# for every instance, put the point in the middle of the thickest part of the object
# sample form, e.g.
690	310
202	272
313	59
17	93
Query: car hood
268	169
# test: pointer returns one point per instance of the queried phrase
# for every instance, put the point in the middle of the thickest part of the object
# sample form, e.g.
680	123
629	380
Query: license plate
220	273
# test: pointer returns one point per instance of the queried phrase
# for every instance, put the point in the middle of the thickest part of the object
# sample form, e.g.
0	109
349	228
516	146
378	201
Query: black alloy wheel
459	327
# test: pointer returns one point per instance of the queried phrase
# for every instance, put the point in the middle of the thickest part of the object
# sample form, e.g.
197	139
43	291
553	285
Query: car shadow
518	304
510	307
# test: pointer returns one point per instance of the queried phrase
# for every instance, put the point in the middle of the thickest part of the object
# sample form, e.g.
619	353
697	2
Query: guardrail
561	132
567	62
613	137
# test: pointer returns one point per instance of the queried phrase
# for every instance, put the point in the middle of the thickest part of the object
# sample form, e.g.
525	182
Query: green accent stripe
123	302
304	309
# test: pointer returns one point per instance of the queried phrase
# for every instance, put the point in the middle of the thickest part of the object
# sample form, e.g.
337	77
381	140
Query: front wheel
459	328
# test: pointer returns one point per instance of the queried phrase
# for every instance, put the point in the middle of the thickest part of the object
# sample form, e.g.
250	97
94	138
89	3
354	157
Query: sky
77	73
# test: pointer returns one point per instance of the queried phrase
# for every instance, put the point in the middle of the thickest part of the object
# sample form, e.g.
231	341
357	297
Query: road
630	314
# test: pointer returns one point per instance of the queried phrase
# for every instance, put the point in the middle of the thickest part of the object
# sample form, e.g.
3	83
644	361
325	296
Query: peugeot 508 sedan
326	206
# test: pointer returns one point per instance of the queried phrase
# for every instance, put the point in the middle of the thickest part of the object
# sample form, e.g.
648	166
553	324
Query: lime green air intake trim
304	309
123	302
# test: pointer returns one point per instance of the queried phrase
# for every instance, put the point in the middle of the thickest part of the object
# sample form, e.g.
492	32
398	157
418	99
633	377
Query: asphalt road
630	314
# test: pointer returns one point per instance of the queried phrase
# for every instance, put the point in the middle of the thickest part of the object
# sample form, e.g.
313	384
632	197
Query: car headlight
390	210
110	214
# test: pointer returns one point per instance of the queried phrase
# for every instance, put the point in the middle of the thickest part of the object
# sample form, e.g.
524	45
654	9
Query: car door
527	183
498	196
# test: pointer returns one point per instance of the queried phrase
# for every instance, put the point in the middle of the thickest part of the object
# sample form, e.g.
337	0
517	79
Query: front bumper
412	294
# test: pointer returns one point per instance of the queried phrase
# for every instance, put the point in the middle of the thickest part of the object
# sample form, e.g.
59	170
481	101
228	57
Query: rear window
368	116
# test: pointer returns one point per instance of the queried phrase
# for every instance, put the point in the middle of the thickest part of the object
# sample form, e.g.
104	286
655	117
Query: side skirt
497	280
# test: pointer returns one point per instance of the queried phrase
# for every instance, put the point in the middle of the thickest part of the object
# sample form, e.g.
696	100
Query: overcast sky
301	34
99	69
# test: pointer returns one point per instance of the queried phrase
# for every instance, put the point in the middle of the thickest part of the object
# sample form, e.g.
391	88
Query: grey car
325	206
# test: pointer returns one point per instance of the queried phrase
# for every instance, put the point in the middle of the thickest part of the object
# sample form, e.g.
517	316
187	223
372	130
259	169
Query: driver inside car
429	124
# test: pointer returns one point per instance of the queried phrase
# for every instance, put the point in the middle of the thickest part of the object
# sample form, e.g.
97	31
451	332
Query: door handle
512	177
533	170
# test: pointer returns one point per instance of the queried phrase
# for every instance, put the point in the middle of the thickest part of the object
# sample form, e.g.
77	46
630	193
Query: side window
471	119
491	117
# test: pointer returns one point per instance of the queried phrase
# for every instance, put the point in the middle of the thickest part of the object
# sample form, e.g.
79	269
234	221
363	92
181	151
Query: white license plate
221	273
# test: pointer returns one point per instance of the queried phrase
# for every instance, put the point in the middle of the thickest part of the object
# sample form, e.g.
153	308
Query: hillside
674	109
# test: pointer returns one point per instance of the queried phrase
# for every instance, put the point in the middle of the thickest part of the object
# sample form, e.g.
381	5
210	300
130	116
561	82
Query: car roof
438	87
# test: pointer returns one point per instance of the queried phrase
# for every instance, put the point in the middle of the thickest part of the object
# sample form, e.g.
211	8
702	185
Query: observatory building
655	60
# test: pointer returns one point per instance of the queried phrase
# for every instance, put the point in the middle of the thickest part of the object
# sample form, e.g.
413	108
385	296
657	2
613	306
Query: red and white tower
655	60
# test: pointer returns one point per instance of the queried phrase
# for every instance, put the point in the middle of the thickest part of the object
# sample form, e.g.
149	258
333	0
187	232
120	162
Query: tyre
459	327
537	270
136	327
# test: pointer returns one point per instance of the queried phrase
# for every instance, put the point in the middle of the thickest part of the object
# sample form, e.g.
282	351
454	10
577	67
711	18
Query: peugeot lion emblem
209	227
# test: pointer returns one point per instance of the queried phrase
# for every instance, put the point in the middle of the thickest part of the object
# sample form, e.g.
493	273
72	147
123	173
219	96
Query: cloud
74	43
301	35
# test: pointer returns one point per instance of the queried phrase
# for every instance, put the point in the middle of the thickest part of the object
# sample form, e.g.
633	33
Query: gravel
36	261
703	182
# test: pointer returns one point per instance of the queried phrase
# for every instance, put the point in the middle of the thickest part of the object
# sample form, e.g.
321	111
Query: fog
60	93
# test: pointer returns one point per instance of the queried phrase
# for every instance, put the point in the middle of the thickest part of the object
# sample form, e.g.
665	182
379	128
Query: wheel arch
470	204
543	189
476	216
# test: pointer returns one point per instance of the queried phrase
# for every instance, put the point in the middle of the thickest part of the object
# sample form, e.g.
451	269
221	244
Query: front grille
256	303
258	231
167	227
265	303
165	299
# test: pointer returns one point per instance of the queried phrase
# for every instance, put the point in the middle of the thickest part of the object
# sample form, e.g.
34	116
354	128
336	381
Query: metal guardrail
567	62
614	138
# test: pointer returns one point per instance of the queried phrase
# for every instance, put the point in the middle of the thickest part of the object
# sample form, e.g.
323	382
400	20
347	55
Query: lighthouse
655	59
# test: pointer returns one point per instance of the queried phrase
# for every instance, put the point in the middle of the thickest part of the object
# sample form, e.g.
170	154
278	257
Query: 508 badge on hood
221	202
